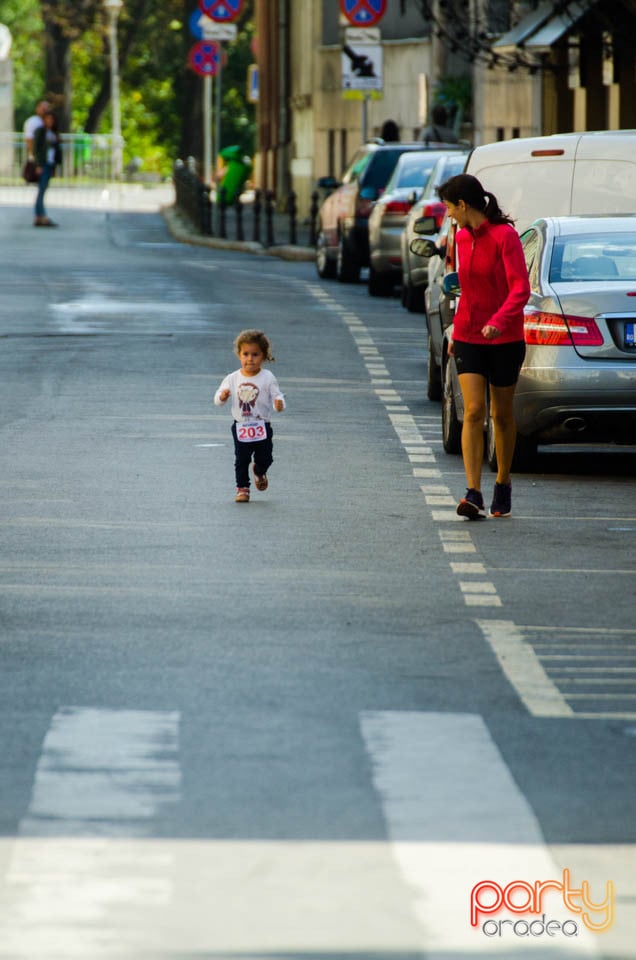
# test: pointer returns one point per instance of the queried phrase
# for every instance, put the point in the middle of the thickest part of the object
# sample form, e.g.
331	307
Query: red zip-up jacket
494	283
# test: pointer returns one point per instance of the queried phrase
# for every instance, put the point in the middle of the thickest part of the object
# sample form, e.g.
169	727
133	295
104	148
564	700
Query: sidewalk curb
181	230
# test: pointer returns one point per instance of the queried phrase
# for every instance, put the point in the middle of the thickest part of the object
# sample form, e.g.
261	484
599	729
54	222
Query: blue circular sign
363	13
223	11
195	24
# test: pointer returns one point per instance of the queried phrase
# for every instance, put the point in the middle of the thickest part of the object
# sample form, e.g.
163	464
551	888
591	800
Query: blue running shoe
472	506
501	505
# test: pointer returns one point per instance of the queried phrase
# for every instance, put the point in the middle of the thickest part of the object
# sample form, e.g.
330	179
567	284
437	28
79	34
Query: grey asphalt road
307	727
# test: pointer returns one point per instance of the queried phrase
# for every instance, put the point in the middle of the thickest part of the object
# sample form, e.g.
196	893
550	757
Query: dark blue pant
261	451
43	182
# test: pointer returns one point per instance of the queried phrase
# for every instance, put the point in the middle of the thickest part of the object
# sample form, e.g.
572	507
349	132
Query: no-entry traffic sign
363	13
223	11
204	58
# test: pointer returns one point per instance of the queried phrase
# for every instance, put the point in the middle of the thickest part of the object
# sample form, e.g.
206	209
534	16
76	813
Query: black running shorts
499	363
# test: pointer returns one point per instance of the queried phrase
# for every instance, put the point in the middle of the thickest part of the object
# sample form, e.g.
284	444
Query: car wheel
524	455
414	299
451	427
433	375
379	284
347	267
325	267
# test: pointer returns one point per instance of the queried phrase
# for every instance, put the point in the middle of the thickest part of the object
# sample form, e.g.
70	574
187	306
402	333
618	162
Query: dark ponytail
468	188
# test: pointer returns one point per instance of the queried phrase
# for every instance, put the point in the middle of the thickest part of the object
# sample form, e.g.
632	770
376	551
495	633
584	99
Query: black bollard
238	206
269	218
292	210
256	207
205	210
222	193
313	218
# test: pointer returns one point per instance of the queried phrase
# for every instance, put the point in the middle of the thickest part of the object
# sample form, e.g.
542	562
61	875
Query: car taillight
398	207
437	210
556	329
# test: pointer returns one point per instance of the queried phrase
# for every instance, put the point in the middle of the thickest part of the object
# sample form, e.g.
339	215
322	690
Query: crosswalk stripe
455	817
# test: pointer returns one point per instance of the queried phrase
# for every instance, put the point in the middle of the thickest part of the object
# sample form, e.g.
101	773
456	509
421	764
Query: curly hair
257	337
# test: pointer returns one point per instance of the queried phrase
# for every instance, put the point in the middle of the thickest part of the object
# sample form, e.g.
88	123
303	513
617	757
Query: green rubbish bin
237	171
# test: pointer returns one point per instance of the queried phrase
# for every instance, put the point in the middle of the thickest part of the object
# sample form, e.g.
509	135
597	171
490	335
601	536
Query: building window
498	13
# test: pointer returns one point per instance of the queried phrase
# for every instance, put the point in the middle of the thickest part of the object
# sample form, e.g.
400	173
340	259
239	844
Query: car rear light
547	153
397	207
437	210
556	329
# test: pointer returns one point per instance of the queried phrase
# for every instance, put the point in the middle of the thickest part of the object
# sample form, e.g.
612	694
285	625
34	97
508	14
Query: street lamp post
113	8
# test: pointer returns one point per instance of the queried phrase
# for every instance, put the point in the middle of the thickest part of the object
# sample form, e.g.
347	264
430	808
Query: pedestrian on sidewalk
48	155
31	124
488	337
255	394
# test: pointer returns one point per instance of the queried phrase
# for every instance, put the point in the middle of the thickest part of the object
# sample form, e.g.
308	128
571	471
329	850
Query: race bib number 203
249	431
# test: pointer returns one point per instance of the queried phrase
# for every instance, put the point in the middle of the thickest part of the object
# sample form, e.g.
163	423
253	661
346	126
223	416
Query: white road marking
588	651
115	766
416	446
456	817
523	669
75	872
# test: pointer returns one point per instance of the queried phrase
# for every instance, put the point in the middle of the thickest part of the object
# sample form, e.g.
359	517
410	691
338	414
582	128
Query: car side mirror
369	193
425	225
424	247
450	285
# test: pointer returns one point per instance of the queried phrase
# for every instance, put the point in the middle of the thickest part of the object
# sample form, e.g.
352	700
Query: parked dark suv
342	244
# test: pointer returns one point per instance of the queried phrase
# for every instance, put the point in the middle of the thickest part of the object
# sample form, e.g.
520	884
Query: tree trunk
57	74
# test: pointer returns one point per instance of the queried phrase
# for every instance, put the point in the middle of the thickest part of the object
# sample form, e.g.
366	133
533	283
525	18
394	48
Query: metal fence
86	158
253	215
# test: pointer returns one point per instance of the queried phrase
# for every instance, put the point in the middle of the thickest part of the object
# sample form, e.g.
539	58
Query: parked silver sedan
578	381
389	214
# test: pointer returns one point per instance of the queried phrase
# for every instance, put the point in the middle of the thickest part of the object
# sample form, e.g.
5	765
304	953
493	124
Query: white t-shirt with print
252	397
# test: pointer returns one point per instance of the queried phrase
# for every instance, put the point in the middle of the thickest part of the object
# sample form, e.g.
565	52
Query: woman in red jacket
488	342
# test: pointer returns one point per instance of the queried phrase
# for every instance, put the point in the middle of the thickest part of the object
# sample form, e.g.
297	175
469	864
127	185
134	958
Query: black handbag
30	173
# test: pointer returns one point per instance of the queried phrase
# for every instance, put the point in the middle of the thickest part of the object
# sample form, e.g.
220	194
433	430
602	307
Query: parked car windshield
412	170
603	256
444	168
381	169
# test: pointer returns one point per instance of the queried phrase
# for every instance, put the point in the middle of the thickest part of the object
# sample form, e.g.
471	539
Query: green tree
61	50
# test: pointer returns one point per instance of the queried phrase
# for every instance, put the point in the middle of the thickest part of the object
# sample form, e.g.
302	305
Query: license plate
630	339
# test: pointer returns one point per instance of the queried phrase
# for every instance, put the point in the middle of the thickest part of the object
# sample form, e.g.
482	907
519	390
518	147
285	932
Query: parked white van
567	173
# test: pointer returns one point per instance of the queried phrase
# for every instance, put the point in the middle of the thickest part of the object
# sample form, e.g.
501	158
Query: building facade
504	69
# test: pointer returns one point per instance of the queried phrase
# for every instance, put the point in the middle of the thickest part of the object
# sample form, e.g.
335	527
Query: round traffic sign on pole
363	13
204	58
223	11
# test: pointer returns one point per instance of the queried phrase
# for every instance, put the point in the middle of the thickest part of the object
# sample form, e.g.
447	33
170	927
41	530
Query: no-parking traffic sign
363	13
223	11
204	58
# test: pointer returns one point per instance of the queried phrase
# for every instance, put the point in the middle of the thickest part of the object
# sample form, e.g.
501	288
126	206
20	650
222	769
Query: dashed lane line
418	448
